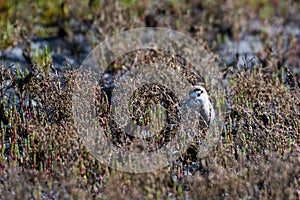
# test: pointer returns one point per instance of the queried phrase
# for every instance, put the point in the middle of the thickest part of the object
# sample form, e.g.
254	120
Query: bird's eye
198	95
202	91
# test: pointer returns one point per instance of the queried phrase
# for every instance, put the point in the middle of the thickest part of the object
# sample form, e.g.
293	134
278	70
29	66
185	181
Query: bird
199	101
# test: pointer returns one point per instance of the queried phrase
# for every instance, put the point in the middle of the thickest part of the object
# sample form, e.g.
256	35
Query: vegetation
257	156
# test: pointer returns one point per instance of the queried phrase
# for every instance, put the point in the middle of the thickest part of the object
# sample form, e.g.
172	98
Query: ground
253	43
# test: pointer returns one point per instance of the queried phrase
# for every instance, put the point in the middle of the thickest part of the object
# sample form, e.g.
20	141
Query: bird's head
199	93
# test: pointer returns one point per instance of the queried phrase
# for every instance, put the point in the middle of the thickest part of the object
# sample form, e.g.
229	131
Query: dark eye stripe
198	90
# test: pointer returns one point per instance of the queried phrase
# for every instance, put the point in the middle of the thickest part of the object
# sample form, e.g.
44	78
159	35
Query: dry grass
257	156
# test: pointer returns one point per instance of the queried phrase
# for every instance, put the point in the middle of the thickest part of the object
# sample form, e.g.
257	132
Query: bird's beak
193	95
